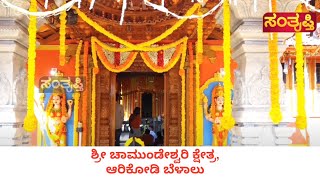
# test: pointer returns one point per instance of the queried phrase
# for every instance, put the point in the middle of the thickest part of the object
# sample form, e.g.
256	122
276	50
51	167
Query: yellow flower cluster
30	122
137	140
76	97
301	120
275	111
63	22
199	56
227	121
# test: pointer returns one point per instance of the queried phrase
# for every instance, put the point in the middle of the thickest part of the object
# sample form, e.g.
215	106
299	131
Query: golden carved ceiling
141	22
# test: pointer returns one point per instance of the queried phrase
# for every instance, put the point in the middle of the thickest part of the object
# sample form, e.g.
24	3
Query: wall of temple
13	75
252	85
13	79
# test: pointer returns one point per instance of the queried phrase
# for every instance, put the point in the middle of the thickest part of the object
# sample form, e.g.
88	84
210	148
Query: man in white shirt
119	119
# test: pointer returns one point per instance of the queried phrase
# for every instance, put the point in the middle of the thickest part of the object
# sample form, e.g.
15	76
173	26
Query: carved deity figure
214	113
57	116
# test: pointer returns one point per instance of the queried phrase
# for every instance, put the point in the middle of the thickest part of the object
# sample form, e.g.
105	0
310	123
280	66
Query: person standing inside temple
134	123
119	119
154	135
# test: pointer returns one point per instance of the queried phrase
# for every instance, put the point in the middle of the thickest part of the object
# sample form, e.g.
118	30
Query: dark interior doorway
146	105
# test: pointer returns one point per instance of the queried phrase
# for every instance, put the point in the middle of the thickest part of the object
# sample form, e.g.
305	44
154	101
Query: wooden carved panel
104	110
173	107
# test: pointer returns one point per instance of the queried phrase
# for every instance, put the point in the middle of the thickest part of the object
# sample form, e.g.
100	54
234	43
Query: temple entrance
132	84
144	90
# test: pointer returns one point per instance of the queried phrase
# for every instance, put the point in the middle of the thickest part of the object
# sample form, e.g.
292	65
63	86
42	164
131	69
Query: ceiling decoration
141	22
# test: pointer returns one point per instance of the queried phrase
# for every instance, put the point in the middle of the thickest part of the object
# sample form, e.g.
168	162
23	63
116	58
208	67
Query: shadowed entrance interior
144	90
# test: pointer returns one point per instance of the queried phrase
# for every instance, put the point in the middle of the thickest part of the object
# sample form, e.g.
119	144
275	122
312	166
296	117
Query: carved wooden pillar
172	109
105	108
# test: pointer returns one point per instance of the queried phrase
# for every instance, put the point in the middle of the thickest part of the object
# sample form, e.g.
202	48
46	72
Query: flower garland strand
140	46
112	67
172	62
191	90
93	104
174	59
94	53
30	122
199	56
301	119
76	97
182	73
147	48
85	93
227	121
275	111
63	22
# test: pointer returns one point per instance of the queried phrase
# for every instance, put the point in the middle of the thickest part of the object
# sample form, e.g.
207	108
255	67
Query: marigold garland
301	119
190	91
30	122
172	62
140	46
63	22
199	56
113	68
93	104
94	54
145	57
275	111
227	121
137	140
85	93
93	94
143	49
76	97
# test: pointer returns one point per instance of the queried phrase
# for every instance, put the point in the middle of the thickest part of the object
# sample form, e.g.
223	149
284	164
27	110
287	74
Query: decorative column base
262	134
11	127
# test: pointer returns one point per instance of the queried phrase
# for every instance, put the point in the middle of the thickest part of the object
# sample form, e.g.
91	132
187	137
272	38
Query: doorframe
169	76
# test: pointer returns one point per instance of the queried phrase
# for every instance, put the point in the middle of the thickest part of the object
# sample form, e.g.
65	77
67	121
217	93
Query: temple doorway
144	90
166	90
